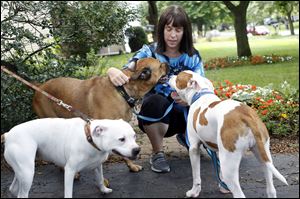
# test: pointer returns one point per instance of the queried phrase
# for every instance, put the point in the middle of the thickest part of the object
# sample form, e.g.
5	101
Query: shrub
279	110
137	38
223	62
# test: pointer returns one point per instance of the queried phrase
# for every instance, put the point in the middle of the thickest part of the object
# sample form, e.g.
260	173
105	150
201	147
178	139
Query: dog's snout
136	151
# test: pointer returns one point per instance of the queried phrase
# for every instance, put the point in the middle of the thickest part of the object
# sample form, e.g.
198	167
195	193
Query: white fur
229	161
63	142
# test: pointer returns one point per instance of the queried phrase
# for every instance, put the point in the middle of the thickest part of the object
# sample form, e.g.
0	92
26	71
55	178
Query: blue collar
200	94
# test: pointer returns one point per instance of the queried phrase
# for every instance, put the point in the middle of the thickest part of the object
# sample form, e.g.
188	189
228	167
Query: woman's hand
177	99
117	77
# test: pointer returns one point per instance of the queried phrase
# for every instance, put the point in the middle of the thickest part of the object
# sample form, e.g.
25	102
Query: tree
239	13
32	33
286	8
153	17
86	25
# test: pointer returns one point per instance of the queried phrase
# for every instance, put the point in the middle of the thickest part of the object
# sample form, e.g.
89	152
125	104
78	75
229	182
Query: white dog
64	142
229	127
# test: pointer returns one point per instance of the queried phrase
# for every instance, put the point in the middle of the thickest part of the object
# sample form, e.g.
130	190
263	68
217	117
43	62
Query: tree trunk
153	18
291	23
240	25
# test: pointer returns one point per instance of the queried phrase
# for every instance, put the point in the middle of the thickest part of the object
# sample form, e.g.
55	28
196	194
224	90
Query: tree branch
31	54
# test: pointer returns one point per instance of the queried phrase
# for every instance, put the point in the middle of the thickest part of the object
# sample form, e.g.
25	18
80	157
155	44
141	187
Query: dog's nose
136	151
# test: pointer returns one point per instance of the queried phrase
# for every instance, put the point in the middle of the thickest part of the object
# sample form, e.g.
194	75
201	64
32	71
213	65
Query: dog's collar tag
200	94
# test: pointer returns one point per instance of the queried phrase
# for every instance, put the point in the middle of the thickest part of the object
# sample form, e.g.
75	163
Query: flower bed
278	110
222	62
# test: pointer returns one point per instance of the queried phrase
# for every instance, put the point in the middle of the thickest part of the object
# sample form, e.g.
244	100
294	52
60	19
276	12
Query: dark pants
155	106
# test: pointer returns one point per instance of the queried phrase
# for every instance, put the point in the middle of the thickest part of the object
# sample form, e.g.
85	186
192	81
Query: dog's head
145	75
116	136
187	83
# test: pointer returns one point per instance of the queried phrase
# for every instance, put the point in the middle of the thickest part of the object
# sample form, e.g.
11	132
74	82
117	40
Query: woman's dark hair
178	16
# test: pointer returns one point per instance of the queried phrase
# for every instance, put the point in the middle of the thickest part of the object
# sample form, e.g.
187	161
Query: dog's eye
122	139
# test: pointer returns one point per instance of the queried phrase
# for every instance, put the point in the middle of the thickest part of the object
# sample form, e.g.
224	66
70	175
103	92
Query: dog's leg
100	180
132	167
194	153
23	168
271	191
229	165
14	187
69	180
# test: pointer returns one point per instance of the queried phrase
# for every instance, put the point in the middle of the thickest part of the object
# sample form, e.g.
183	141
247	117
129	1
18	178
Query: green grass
259	75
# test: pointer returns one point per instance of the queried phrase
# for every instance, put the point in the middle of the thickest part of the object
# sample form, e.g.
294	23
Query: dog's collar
200	94
89	138
130	100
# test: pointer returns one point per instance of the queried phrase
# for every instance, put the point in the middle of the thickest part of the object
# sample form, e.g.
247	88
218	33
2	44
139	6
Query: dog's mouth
120	154
164	79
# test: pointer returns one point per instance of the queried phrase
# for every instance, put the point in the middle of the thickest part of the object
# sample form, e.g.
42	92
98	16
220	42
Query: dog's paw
194	192
135	168
105	190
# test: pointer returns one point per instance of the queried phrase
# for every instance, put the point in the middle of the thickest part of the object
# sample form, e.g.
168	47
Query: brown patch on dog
195	117
212	145
235	125
213	104
182	80
202	119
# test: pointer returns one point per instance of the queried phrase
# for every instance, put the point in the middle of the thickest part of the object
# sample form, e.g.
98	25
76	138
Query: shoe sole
159	171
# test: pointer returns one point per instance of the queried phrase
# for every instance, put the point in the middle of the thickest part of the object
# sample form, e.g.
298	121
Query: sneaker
159	163
181	139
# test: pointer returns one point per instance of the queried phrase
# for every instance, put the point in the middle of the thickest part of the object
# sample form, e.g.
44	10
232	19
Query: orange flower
270	101
253	87
264	112
278	97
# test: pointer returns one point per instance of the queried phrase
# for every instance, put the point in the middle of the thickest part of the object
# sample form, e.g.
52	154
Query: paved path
48	181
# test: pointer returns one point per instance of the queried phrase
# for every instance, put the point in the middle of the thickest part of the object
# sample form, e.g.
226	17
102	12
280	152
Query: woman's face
173	36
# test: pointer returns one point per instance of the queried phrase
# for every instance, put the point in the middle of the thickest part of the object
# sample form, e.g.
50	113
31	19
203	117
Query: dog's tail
276	172
3	138
261	135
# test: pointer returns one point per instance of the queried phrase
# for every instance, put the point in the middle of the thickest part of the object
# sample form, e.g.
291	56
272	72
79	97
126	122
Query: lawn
259	75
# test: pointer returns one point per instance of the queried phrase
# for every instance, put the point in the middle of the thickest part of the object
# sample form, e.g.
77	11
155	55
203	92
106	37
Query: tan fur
212	145
183	79
195	116
235	125
213	104
3	138
97	97
202	119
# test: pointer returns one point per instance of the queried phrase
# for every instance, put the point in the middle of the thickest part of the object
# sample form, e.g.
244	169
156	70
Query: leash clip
66	106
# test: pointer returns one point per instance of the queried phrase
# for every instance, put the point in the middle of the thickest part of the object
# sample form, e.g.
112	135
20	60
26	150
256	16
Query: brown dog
97	97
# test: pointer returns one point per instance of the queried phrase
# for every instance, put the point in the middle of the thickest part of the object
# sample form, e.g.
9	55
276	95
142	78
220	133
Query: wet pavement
48	180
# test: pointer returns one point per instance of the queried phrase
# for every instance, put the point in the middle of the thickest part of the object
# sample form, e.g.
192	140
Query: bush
16	97
279	110
224	62
137	38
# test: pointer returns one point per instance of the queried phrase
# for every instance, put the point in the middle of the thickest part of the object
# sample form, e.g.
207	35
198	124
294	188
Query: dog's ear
200	83
144	74
192	83
98	130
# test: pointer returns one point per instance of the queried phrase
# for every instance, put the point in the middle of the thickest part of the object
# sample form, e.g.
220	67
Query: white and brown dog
64	142
229	127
